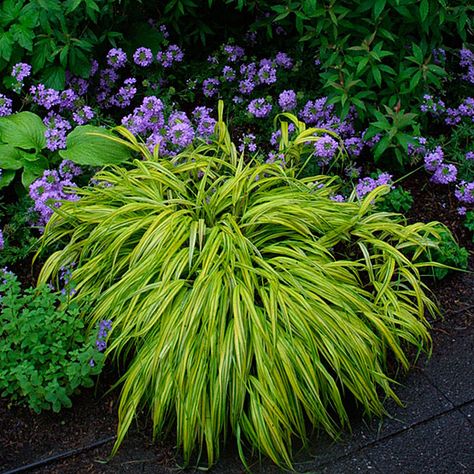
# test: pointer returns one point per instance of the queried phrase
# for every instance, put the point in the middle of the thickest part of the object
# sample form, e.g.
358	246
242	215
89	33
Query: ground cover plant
329	109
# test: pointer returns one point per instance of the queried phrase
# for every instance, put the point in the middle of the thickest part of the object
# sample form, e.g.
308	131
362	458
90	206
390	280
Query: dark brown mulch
26	437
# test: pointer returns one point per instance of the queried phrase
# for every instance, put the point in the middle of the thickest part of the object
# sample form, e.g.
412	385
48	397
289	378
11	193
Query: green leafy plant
243	300
20	239
448	253
45	356
55	35
23	147
22	141
397	200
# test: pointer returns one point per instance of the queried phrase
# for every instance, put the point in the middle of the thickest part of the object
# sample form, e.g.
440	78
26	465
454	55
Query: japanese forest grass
242	300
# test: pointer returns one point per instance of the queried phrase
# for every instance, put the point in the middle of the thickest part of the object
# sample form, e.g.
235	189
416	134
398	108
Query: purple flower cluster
287	100
105	326
467	61
56	131
173	54
247	142
259	108
82	115
46	97
5	106
366	185
465	192
2	241
116	58
234	53
143	57
325	149
283	60
267	74
20	71
123	98
48	191
435	107
444	174
210	86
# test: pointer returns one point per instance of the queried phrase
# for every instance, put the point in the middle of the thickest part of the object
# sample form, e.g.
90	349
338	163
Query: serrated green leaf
23	130
89	145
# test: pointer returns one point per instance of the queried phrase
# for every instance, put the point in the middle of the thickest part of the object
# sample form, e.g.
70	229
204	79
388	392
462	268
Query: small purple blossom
325	149
82	115
465	192
5	106
69	170
267	74
287	100
434	159
366	185
228	73
210	86
173	54
234	53
45	97
247	86
2	241
470	155
354	146
143	57
259	108
247	142
444	174
283	60
116	58
20	71
181	134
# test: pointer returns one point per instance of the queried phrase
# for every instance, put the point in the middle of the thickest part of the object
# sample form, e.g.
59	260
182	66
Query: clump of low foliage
45	355
243	301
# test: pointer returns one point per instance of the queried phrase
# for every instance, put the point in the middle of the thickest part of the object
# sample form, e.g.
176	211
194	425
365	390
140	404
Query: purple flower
247	86
180	133
444	174
68	170
67	99
83	115
172	55
283	60
108	78
247	142
465	192
2	242
325	148
337	198
5	106
125	94
47	98
209	86
56	132
354	146
205	123
20	71
228	73
164	31
435	107
116	58
143	57
94	67
470	155
434	159
366	185
267	74
234	53
259	108
92	363
287	100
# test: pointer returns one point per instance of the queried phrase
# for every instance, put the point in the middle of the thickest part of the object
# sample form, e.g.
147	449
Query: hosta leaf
9	158
89	145
23	130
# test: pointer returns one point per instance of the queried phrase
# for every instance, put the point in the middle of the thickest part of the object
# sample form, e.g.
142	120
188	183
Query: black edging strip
56	457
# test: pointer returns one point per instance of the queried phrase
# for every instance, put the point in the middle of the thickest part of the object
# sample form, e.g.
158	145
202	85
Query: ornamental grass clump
242	300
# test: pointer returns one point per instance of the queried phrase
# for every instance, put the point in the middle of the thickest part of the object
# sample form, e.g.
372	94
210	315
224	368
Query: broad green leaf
23	130
6	178
6	45
9	158
89	145
424	9
33	170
